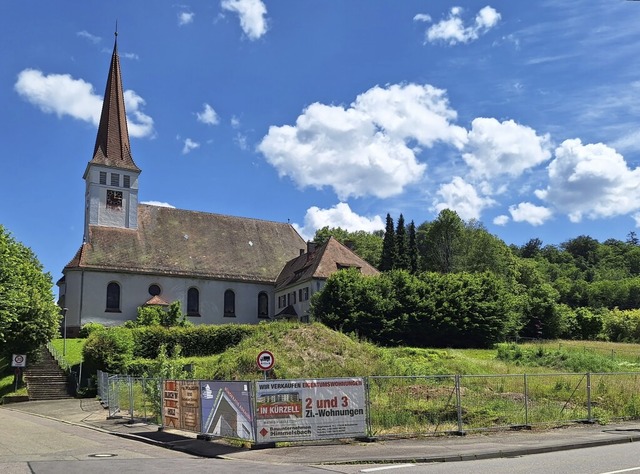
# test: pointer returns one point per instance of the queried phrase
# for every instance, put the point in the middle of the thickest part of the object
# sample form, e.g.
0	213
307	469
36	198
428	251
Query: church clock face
114	198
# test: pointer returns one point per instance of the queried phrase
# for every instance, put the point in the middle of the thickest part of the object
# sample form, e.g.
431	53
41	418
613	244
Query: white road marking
393	466
623	470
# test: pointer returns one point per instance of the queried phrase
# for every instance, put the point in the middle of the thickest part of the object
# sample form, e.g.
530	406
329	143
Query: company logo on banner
226	409
296	410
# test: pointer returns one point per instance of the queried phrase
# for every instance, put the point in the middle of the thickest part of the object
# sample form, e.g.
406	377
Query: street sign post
265	361
18	361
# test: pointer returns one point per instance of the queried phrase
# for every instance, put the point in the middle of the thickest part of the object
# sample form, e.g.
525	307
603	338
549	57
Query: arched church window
229	304
113	297
263	305
193	302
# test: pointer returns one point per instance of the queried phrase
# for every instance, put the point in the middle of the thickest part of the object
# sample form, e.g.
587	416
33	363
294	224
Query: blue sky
523	115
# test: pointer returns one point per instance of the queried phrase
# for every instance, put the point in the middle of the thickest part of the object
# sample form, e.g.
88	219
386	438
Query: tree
413	249
402	246
159	316
389	253
443	241
29	317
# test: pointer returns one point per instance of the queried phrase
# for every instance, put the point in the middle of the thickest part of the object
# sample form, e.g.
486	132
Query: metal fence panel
402	406
557	398
615	396
492	401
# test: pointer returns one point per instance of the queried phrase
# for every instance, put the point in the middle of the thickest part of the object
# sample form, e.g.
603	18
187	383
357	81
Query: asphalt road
33	444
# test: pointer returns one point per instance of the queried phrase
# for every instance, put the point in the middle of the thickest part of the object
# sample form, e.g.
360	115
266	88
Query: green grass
7	386
73	352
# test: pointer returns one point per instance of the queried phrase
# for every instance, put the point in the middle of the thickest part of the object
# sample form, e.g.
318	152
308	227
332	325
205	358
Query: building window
115	179
263	305
114	199
154	290
305	293
126	181
193	302
113	297
294	297
229	304
300	294
103	177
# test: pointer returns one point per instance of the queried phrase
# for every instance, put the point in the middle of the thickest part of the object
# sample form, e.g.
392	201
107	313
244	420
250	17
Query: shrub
88	328
110	350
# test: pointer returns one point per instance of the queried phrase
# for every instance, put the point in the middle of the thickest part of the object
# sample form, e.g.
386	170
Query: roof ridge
209	213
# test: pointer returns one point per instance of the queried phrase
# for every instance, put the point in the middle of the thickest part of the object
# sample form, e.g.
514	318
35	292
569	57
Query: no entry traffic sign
265	360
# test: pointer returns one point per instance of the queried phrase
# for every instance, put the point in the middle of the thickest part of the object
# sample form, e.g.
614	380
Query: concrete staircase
45	379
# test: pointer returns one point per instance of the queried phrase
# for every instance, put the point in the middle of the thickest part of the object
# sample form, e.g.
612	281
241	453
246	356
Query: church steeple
112	142
111	177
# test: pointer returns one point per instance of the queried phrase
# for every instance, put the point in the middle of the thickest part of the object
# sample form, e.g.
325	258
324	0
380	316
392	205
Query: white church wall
91	288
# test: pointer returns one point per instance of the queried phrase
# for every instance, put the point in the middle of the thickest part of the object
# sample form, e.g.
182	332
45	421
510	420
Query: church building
222	269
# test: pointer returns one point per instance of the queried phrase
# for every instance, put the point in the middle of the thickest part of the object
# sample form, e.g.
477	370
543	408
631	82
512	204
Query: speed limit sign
19	360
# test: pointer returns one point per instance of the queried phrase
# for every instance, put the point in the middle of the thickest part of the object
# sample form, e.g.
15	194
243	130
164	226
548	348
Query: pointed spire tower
112	176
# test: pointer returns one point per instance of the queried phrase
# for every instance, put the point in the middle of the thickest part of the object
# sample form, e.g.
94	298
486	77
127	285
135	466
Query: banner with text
226	409
181	405
300	410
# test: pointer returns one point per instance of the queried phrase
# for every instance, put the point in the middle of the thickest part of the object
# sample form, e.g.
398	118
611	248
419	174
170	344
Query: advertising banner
299	410
226	409
181	405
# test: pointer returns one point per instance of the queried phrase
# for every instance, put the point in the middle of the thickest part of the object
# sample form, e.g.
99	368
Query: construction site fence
402	406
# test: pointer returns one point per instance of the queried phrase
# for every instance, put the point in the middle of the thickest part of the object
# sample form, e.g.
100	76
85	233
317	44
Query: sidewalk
89	412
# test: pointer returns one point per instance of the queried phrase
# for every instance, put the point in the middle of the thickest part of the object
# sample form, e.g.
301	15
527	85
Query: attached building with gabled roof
221	268
307	274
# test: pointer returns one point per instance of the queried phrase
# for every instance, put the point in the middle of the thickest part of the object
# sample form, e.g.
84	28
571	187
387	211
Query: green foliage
88	328
110	350
621	325
28	315
558	359
430	310
389	247
194	340
159	316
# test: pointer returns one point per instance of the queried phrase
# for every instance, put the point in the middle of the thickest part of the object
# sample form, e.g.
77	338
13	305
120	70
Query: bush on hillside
110	350
194	340
88	328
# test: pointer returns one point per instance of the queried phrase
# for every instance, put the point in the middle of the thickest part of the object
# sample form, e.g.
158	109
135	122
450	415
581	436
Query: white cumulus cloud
462	197
158	203
527	212
501	220
61	94
341	216
252	16
367	148
496	148
208	115
452	30
189	145
591	181
185	17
